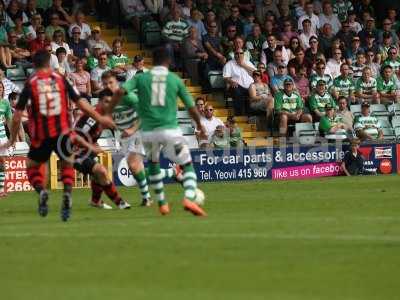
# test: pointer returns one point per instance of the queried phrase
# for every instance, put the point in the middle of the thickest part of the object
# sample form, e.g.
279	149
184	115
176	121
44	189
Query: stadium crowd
287	61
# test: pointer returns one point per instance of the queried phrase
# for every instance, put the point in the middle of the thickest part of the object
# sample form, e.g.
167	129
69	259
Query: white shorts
4	151
170	141
133	144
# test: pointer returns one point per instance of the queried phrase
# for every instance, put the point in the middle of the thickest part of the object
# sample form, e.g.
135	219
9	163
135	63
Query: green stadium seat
16	74
305	133
187	129
394	109
379	110
183	114
388	134
355	109
396	122
384	122
216	80
29	71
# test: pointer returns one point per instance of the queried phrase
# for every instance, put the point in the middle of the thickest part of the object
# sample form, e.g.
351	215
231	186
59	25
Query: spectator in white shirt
268	49
334	63
309	16
53	58
306	34
64	67
97	72
238	76
328	17
137	67
9	86
210	123
83	27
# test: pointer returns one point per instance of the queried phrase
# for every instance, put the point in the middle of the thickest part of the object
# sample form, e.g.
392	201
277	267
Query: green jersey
342	8
92	62
325	123
366	87
315	78
387	87
158	91
344	86
289	103
369	124
319	102
118	60
5	115
395	64
125	114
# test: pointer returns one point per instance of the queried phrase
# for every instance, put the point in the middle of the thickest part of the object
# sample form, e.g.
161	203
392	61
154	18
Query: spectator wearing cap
96	39
80	23
238	75
352	52
309	15
345	34
386	86
39	43
97	72
344	112
306	34
320	74
319	100
289	107
93	59
358	66
367	126
341	8
343	85
366	87
53	27
393	60
332	123
278	79
261	98
212	43
353	162
328	17
64	18
137	67
78	46
268	48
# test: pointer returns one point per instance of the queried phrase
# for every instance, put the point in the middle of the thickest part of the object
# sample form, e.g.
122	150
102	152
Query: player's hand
107	122
202	134
96	149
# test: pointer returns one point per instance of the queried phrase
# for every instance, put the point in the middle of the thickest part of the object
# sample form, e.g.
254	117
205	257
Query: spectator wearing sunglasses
78	46
39	43
210	124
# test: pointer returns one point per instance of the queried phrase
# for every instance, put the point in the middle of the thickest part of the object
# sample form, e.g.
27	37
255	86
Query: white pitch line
248	236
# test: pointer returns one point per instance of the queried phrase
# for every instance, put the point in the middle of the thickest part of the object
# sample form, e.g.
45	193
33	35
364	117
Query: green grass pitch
335	238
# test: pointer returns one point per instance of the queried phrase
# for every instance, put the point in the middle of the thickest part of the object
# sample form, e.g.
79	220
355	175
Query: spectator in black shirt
353	161
345	34
234	19
80	48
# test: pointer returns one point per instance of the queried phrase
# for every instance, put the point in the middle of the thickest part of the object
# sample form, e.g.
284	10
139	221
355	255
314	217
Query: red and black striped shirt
46	93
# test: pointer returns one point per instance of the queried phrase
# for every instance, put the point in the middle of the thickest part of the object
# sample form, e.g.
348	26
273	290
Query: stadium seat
397	132
216	80
394	109
151	33
187	129
388	134
355	109
396	122
29	71
183	114
107	133
316	126
379	110
108	144
384	122
16	74
305	133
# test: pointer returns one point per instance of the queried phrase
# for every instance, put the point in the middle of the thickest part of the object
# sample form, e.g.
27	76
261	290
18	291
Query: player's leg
101	180
135	162
174	173
176	149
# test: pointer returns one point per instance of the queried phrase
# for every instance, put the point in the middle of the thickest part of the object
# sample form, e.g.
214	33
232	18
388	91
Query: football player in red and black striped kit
85	160
46	95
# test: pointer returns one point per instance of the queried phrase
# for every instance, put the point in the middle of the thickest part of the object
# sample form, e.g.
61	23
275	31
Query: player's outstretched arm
105	121
14	130
194	114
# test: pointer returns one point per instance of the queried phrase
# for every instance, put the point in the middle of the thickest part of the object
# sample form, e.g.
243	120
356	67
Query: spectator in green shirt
386	85
117	61
289	107
220	139
93	60
331	123
319	100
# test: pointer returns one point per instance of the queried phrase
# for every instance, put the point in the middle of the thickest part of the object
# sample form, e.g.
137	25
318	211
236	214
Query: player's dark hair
61	50
108	74
12	96
41	58
160	56
105	93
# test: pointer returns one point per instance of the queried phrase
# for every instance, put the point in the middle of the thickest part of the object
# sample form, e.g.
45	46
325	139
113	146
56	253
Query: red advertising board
16	175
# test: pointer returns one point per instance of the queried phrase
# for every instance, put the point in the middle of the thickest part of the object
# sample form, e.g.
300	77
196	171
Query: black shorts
61	145
85	164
